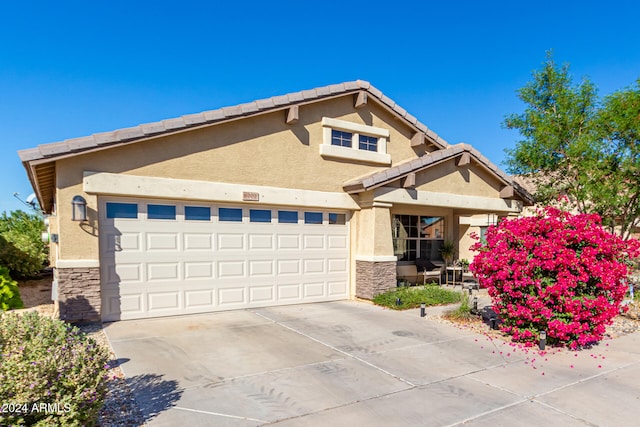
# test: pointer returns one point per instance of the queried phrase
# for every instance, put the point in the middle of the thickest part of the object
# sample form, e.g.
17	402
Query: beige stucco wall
465	241
262	150
447	177
374	232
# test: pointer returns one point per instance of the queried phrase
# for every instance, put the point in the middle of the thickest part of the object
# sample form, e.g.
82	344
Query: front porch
421	217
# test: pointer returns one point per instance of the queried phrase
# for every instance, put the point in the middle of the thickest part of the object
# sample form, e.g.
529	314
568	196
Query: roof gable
465	152
145	131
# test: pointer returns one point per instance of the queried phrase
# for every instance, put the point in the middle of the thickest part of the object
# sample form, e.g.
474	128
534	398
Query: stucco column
375	261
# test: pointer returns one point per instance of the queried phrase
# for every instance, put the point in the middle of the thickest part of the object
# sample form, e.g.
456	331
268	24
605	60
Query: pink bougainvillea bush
555	272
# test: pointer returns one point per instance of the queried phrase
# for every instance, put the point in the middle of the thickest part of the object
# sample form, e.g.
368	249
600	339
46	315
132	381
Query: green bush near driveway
412	297
51	374
9	291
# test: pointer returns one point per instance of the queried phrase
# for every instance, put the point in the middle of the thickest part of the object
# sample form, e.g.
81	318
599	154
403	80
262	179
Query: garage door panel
159	268
261	268
231	296
313	290
289	241
198	242
198	270
262	294
288	267
162	241
231	269
163	271
288	292
198	299
337	265
261	242
164	300
312	266
130	304
337	242
337	288
125	273
313	241
230	242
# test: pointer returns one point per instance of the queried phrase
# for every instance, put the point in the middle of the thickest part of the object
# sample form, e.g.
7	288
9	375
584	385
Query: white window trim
354	153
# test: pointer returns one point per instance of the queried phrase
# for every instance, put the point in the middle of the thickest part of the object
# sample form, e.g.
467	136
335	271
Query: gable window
418	237
354	141
340	138
368	143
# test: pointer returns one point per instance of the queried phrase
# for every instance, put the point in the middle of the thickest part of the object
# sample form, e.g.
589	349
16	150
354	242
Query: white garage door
160	258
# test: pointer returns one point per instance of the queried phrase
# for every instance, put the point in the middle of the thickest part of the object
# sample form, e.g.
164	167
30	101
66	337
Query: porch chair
408	273
430	271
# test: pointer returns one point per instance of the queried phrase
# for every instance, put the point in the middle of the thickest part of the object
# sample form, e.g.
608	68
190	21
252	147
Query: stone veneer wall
79	297
373	278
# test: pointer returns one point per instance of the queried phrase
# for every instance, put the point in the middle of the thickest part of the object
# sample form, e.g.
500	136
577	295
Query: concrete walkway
351	364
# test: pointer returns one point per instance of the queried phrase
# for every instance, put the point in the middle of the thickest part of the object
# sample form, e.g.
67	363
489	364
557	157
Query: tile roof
131	134
380	178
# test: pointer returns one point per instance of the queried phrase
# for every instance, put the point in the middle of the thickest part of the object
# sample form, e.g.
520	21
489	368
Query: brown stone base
374	278
79	297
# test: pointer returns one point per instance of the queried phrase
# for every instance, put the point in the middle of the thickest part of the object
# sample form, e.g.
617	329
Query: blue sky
73	68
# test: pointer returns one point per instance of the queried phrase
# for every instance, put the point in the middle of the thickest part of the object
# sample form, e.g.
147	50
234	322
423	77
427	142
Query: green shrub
21	247
463	311
50	372
9	292
412	297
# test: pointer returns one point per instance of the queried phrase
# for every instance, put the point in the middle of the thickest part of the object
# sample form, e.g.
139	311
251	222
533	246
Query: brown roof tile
78	145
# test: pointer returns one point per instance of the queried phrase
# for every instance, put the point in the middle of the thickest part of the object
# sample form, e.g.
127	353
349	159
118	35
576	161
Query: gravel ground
120	408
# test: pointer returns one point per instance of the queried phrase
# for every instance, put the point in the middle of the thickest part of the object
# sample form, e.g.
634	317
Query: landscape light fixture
493	322
543	340
78	209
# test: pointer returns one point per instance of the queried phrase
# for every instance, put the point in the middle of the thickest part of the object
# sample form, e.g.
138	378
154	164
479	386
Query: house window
197	213
288	217
259	215
230	214
122	210
336	218
340	138
368	143
161	212
354	141
483	235
418	237
313	217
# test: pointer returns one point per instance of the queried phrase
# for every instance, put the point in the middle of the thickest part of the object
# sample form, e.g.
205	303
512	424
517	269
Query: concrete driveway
351	364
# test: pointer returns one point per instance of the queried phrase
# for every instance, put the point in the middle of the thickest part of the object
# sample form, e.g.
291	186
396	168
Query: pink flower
557	272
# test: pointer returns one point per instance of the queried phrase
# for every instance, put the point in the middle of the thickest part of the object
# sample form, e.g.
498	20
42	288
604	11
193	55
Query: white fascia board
77	263
104	183
448	200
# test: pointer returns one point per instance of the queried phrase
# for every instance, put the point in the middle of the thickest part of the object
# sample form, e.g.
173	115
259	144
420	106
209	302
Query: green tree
22	250
619	128
576	145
